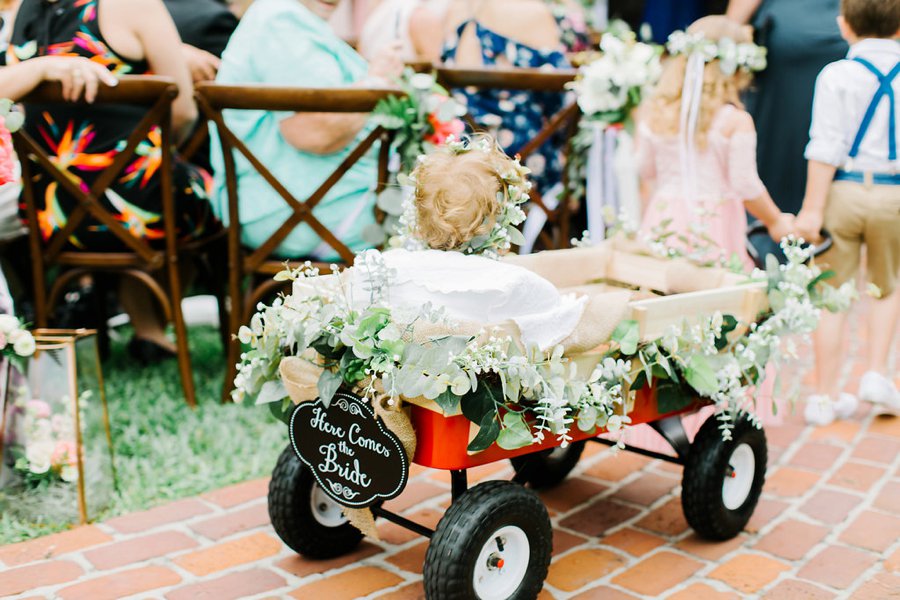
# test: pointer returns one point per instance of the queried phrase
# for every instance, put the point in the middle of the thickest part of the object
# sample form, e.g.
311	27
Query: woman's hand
782	227
202	64
387	65
78	75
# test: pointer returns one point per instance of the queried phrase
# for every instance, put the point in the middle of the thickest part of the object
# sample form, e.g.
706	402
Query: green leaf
278	411
515	236
701	376
475	405
820	278
640	380
670	397
271	391
627	334
515	433
14	121
328	385
488	430
729	324
448	401
322	346
352	368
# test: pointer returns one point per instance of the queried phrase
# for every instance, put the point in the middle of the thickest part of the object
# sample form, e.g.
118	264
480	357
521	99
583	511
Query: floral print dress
523	113
85	140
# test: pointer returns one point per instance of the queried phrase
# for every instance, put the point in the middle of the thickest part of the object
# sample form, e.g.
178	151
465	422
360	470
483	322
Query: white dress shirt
844	90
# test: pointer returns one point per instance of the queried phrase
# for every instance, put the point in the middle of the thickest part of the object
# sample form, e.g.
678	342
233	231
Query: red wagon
494	542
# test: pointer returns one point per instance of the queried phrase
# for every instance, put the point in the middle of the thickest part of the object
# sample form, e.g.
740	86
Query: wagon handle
758	228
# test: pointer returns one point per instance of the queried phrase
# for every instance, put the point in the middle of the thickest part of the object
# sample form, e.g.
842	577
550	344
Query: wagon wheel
493	543
723	480
547	468
304	517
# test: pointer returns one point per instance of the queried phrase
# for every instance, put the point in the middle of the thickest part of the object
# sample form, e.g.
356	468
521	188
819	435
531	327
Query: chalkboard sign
354	457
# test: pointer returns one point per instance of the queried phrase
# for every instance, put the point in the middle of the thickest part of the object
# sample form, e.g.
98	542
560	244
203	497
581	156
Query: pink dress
726	175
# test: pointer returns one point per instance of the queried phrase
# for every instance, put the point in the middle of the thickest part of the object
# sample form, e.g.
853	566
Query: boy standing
853	188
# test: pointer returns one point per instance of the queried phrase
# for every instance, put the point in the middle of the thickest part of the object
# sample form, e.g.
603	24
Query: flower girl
697	150
698	146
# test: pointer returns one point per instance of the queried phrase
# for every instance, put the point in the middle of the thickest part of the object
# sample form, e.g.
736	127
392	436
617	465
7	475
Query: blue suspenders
884	89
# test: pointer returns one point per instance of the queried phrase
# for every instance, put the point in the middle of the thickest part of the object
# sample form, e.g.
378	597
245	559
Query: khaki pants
859	214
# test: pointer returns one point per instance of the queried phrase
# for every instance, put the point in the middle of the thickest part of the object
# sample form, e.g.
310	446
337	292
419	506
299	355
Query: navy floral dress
523	113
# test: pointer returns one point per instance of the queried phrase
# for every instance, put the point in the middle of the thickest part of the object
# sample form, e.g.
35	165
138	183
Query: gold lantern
56	457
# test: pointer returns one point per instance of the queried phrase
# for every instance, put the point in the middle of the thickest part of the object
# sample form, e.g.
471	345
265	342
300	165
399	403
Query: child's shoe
880	391
819	410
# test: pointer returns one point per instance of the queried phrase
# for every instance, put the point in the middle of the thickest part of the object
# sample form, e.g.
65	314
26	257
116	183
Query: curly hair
457	194
664	105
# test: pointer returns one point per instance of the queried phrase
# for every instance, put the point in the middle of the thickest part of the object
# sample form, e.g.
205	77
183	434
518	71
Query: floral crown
746	56
513	192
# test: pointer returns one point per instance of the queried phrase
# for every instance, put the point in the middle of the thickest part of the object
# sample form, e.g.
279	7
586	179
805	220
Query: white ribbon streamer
628	194
691	94
595	184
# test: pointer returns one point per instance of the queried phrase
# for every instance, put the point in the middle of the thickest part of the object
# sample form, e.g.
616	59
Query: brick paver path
828	525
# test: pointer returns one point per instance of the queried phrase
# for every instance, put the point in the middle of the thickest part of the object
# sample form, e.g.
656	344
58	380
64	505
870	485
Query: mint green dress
280	42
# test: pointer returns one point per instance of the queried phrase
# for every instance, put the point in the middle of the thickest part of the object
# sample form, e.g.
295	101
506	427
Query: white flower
23	342
69	473
38	456
8	324
422	82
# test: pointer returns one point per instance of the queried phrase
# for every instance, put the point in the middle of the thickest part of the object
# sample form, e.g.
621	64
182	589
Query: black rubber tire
290	490
547	468
704	475
469	524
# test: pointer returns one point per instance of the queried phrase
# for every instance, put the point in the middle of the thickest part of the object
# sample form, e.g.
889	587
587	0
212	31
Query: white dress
476	289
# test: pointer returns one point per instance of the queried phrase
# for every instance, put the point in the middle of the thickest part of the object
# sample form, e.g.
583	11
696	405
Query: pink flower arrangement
444	129
7	155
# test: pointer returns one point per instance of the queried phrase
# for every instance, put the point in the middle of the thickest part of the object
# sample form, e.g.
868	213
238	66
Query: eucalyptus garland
519	396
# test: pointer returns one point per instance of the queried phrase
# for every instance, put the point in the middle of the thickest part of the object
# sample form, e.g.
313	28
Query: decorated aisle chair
260	264
141	261
564	123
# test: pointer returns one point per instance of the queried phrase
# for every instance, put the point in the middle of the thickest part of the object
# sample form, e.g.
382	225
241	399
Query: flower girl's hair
662	112
457	193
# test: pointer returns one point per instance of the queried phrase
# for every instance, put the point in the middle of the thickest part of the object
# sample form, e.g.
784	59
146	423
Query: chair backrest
153	93
564	122
215	98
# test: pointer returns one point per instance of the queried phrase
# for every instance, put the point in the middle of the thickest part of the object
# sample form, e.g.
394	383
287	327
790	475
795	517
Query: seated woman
289	43
523	34
416	24
77	43
464	194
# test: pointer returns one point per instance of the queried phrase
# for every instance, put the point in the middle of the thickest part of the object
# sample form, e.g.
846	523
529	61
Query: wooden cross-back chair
259	265
139	260
565	122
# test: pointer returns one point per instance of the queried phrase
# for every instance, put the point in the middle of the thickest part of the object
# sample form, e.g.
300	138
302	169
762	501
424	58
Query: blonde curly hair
663	108
458	194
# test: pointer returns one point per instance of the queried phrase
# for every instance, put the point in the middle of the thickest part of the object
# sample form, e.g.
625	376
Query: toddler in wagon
853	188
466	203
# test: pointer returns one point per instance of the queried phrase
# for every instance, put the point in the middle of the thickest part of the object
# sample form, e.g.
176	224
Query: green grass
163	449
